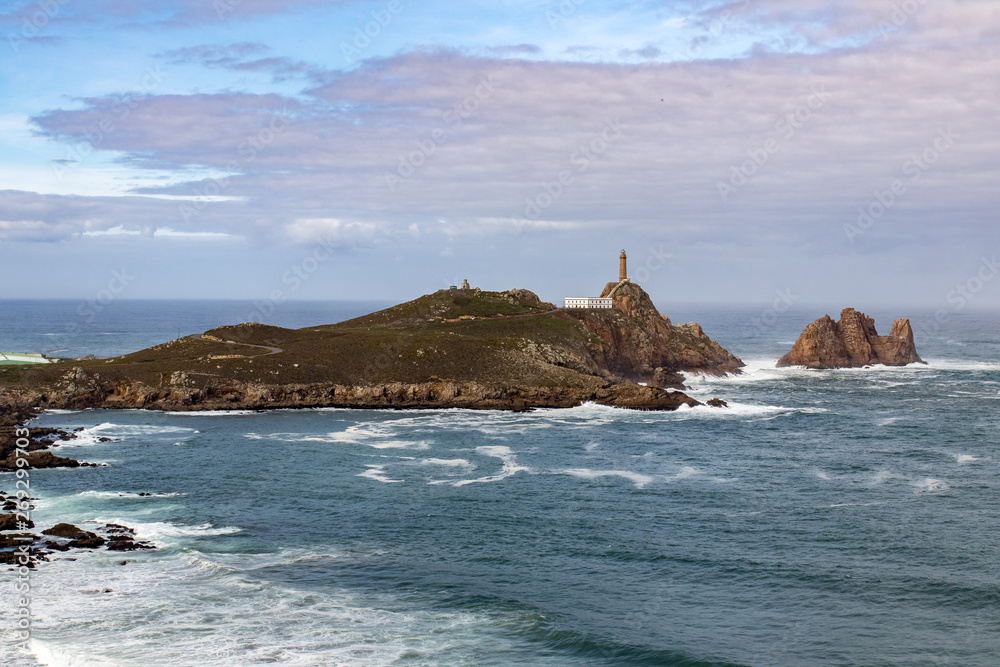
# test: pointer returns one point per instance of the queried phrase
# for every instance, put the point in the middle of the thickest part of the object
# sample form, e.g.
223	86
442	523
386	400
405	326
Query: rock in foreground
852	342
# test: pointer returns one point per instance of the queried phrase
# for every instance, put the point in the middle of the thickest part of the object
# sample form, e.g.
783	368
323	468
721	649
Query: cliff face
638	343
236	395
852	342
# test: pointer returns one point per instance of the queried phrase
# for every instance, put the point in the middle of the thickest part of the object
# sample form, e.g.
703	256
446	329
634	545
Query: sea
837	517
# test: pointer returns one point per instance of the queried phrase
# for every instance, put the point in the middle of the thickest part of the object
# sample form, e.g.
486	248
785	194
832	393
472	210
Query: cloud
28	216
329	230
178	13
645	53
516	49
826	24
409	139
240	57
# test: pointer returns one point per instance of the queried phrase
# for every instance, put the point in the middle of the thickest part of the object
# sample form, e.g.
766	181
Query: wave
966	458
128	494
640	480
158	530
229	609
92	435
449	463
210	413
376	435
737	409
508	469
930	485
377	473
962	365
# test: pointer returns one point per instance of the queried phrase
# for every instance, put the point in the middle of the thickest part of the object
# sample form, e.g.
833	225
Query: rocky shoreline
18	546
465	349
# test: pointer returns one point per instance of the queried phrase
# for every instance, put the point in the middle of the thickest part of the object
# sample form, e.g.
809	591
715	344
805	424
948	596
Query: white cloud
329	230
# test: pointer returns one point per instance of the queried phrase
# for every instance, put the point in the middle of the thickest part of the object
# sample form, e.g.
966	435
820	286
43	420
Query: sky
841	151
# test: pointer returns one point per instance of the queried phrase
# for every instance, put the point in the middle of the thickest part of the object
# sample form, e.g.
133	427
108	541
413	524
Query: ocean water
826	518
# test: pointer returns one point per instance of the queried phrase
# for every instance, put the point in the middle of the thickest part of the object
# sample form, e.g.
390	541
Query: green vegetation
453	334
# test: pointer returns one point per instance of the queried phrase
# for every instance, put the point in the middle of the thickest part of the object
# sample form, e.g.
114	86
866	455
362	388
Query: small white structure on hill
587	302
601	301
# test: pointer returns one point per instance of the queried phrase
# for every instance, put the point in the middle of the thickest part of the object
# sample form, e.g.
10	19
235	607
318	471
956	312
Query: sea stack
852	342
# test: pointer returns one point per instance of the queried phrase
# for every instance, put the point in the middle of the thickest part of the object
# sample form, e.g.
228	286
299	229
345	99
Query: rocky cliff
639	344
81	391
852	342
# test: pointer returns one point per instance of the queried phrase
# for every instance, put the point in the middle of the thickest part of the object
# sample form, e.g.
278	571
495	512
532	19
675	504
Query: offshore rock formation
852	342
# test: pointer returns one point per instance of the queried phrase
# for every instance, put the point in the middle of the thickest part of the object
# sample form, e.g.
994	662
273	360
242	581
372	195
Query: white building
587	302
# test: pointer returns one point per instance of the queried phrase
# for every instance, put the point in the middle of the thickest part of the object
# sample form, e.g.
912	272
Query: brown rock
852	342
14	522
639	344
91	541
66	530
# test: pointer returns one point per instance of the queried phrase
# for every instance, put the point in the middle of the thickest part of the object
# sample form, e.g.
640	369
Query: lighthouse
622	271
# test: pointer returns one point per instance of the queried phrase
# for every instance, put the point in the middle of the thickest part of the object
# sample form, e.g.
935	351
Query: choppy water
826	518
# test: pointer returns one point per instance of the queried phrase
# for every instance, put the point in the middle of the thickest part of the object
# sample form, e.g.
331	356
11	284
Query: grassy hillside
491	338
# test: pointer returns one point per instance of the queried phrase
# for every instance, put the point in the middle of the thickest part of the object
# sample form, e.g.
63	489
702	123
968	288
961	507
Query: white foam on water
509	468
50	655
888	421
398	444
638	479
593	413
737	410
127	494
930	485
158	531
966	458
686	472
377	473
91	436
377	436
216	610
449	463
883	476
962	365
756	370
210	413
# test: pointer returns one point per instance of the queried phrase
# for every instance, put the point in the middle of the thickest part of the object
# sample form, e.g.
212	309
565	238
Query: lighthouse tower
622	271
